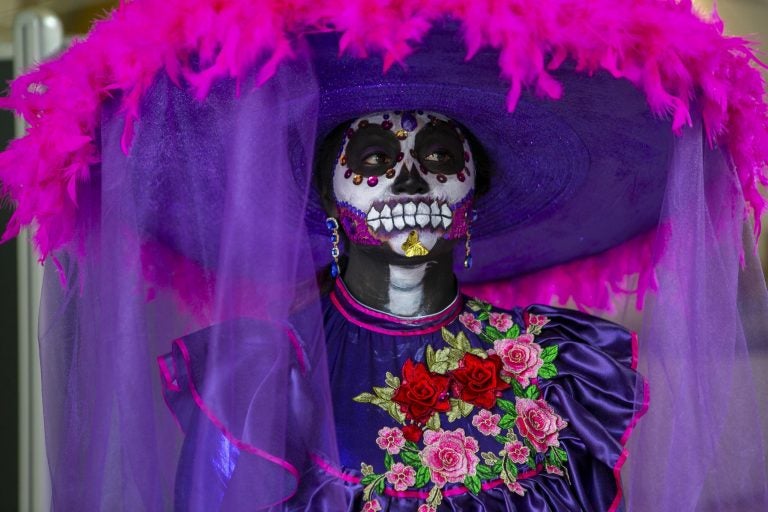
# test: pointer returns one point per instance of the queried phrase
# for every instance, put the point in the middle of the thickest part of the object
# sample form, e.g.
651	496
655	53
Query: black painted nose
410	182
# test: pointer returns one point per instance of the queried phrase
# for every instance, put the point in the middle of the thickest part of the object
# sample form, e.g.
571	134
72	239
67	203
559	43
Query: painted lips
412	214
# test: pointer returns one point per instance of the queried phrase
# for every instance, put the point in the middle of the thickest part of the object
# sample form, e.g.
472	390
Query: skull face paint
405	179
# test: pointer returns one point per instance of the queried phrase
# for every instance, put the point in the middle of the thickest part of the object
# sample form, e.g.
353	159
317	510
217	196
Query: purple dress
471	409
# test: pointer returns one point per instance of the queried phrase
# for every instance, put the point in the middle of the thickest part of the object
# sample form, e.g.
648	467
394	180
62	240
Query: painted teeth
410	215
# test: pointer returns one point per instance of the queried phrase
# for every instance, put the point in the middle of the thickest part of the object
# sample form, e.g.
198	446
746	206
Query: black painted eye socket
372	150
439	149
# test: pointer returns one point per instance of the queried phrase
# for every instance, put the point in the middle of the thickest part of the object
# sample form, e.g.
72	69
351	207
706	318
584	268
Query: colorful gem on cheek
343	160
363	123
408	122
386	116
441	178
460	175
390	173
373	181
400	156
387	125
401	134
358	179
350	132
348	174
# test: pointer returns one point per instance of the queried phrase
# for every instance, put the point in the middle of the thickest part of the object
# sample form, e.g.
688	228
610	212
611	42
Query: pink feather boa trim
662	46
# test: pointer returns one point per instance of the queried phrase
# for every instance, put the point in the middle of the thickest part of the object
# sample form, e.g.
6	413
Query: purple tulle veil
197	240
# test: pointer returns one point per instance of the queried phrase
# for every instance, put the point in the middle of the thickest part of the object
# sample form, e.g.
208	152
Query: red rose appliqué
478	381
421	393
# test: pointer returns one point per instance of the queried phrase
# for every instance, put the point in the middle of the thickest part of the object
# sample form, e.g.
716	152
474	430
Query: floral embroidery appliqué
451	384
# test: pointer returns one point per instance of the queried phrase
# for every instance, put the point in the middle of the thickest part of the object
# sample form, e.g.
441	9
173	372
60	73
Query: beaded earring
333	228
471	217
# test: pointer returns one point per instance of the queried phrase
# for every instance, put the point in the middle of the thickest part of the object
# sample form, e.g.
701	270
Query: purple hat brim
570	178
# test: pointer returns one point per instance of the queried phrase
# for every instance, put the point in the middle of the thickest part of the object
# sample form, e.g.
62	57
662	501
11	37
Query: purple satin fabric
595	391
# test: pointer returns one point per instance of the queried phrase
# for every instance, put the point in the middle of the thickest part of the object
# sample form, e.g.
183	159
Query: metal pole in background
37	34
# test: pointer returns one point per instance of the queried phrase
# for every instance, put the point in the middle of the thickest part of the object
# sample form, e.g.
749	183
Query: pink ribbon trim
453	491
628	432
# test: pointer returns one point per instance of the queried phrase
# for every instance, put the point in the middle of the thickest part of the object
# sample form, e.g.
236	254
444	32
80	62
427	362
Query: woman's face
404	179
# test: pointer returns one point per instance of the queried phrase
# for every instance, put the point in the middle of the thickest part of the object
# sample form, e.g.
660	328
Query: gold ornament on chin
413	246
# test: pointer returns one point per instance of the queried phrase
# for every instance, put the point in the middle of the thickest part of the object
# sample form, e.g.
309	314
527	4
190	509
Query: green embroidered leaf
474	305
410	458
513	332
447	336
435	497
484	337
366	469
392	381
410	445
498	466
364	398
531	462
473	484
532	392
549	354
367	479
394	410
507	421
429	355
422	477
517	388
459	409
482	354
367	492
506	406
558	454
547	371
380	486
463	342
486	472
384	393
489	458
493	333
483	316
501	439
434	422
388	461
447	359
510	469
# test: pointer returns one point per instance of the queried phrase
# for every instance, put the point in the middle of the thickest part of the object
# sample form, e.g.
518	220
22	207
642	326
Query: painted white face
405	179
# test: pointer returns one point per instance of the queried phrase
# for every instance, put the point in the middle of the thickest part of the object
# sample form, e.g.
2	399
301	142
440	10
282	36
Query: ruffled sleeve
241	392
597	390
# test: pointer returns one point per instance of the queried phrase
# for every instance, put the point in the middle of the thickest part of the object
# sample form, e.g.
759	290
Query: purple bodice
523	410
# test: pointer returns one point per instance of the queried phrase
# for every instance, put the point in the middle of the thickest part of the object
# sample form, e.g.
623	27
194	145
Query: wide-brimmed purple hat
569	178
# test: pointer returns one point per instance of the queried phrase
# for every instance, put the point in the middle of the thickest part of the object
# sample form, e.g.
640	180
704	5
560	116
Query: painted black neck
408	287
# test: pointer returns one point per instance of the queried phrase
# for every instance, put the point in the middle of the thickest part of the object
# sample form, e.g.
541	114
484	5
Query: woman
201	218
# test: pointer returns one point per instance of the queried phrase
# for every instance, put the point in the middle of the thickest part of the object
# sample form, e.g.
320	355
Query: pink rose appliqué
501	321
538	422
521	357
426	508
371	506
449	455
401	476
391	439
487	423
471	323
517	452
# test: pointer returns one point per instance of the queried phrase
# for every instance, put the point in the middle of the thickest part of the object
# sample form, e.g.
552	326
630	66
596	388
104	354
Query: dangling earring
471	217
333	228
